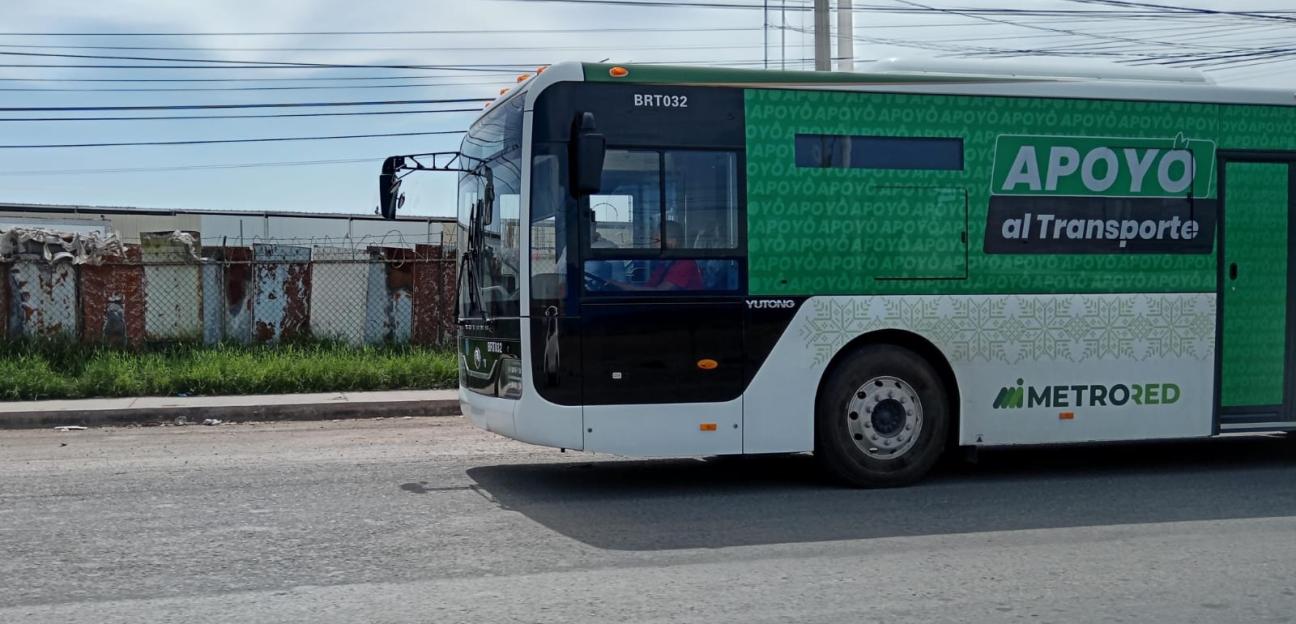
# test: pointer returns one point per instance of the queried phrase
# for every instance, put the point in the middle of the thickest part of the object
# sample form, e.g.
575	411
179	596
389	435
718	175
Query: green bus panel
806	224
1254	341
1265	128
939	218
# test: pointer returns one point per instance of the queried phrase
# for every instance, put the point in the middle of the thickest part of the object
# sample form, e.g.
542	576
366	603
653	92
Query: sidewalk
142	410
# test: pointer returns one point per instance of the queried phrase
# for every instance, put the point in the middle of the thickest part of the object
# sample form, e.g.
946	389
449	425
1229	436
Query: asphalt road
428	520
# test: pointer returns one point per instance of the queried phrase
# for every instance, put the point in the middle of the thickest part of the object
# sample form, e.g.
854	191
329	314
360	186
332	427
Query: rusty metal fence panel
281	310
232	293
167	289
213	301
172	288
339	283
434	295
4	300
390	296
112	300
44	298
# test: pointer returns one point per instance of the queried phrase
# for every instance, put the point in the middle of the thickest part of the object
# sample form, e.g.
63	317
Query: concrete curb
196	414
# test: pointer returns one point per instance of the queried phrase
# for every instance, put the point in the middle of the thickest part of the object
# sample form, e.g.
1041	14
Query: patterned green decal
1255	303
1258	128
821	231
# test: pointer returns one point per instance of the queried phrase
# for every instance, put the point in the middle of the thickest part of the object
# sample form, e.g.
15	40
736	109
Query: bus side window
702	196
665	221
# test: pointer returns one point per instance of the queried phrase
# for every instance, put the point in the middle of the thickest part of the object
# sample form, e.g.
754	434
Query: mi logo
1011	397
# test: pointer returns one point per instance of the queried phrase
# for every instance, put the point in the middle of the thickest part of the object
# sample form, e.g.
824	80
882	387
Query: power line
273	116
246	64
1265	15
499	69
803	8
32	109
215	141
219	89
385	49
253	165
331	33
255	79
478	69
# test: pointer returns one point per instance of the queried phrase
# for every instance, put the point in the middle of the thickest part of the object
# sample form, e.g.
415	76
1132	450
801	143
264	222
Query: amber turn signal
618	72
707	364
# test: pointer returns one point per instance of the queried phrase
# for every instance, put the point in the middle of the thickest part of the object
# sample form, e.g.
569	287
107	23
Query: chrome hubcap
884	417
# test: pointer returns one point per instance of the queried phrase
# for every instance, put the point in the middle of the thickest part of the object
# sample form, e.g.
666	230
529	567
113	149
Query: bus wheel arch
873	355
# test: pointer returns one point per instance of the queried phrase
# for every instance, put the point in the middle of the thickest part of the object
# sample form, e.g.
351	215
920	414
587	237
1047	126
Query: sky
496	38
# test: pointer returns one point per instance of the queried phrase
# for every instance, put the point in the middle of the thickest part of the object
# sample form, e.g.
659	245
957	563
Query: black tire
901	372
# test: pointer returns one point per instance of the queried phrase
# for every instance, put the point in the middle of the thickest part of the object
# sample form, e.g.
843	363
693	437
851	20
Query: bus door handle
1232	270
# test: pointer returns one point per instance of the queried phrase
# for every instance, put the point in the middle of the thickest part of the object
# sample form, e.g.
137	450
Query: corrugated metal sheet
390	296
282	307
172	289
434	276
112	300
338	284
44	298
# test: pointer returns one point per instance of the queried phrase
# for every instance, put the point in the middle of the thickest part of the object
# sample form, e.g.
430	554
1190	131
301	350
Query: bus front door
663	375
1256	297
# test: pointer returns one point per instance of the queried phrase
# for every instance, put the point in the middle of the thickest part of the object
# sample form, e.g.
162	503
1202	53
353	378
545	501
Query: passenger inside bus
676	274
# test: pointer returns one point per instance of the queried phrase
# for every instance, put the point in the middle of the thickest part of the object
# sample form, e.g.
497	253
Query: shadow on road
668	504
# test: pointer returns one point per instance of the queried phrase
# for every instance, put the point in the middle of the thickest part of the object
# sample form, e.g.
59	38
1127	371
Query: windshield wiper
479	217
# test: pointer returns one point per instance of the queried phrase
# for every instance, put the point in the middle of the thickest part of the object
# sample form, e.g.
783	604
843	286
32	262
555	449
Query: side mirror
389	195
588	147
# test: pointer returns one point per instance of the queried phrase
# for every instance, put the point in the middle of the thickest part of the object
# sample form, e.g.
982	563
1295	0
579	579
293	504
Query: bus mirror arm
395	168
587	149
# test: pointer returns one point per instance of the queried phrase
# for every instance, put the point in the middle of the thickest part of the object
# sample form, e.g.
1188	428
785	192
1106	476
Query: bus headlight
510	378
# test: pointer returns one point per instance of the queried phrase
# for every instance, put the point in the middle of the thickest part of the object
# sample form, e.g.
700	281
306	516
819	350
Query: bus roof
1020	79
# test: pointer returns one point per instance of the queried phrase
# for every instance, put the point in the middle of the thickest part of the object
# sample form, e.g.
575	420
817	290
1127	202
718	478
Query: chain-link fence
167	287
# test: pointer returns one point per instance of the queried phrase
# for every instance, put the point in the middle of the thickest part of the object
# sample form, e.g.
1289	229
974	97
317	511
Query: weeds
64	369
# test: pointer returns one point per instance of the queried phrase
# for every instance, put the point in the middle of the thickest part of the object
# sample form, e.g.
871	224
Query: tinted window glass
871	152
682	274
702	196
701	201
627	211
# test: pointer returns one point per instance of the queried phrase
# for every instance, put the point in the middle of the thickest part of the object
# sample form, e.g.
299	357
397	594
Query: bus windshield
489	208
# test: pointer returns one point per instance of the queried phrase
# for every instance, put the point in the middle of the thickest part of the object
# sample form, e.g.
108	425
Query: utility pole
765	33
822	48
783	34
845	36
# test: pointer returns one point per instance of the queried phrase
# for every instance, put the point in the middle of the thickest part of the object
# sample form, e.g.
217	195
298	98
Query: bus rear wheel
881	417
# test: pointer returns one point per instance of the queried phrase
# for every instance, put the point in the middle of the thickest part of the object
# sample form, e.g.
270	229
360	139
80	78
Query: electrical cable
29	109
219	141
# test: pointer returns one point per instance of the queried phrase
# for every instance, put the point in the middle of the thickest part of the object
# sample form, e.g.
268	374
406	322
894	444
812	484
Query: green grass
45	369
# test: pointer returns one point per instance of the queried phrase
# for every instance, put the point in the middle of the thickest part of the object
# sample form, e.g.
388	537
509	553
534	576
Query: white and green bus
875	267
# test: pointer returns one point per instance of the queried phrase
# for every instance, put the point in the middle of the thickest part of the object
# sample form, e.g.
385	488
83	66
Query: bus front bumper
490	413
530	419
